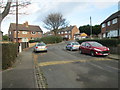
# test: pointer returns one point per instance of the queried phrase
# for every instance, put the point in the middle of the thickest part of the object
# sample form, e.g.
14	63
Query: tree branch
7	9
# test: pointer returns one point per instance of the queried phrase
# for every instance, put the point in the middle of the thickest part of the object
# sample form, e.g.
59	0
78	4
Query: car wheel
80	51
71	49
92	53
66	48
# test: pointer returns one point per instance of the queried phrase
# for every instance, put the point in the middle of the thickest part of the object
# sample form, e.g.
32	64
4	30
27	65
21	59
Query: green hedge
105	42
9	53
48	39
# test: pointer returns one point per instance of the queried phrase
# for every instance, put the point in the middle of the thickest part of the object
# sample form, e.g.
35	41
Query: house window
103	25
114	21
10	32
61	32
108	23
65	31
39	32
69	36
33	32
66	36
24	32
58	32
24	39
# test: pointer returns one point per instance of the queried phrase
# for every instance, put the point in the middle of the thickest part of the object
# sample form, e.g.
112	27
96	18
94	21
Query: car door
87	48
82	47
68	45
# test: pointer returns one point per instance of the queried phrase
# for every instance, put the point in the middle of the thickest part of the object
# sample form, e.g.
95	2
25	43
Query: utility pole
17	25
90	27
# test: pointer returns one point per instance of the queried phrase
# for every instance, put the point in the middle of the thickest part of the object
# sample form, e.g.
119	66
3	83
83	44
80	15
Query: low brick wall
115	50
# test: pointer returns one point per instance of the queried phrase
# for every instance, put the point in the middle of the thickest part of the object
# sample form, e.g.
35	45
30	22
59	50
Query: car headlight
97	49
108	49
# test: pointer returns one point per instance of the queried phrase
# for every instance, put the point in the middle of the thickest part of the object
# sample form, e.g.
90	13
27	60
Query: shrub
48	39
9	53
105	42
31	41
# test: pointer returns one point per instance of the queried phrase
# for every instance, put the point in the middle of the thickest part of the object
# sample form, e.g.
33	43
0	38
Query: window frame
24	32
33	33
114	21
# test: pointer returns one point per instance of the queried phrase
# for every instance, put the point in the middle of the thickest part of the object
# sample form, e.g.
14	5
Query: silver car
40	47
73	46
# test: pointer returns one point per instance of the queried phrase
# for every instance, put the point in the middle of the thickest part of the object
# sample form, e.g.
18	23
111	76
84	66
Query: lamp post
90	27
17	25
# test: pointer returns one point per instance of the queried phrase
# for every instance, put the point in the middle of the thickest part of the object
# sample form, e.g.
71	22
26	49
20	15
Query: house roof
114	15
66	28
83	34
23	27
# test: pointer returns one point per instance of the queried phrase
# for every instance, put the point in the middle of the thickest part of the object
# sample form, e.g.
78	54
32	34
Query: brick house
48	34
68	32
25	32
111	26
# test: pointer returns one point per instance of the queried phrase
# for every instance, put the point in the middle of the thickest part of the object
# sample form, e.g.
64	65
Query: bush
9	53
105	42
31	41
48	39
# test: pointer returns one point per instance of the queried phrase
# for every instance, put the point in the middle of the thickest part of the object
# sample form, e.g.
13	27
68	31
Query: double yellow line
70	61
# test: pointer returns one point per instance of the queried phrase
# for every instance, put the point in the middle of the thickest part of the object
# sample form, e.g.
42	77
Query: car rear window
41	44
95	44
75	43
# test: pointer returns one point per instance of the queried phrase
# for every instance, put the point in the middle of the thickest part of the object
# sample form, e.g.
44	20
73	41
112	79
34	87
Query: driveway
69	69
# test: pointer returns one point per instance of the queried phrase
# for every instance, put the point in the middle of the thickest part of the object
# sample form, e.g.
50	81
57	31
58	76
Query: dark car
94	48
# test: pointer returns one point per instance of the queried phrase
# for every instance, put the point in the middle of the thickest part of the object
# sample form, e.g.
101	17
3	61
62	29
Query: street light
17	25
90	27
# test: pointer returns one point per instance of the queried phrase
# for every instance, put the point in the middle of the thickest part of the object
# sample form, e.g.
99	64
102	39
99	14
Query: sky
76	12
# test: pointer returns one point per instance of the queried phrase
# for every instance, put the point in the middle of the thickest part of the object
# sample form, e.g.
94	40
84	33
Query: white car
40	47
73	46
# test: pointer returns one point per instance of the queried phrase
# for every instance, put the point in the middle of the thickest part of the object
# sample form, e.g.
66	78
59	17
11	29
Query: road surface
69	69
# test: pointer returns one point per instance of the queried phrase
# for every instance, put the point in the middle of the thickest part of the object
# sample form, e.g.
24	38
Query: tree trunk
5	12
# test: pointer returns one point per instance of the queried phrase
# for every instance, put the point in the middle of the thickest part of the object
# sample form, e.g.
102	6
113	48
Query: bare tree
9	5
54	21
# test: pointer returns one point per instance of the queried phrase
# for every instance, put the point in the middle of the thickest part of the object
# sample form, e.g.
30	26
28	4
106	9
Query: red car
93	48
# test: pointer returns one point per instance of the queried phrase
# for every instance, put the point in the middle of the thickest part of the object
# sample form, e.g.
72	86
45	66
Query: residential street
69	69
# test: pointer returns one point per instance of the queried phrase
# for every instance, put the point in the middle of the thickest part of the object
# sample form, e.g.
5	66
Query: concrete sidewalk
114	56
22	75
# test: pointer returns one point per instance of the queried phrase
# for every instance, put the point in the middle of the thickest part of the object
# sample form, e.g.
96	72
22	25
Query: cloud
74	10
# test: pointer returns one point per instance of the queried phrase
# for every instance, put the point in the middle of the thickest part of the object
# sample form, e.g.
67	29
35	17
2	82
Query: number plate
42	49
105	54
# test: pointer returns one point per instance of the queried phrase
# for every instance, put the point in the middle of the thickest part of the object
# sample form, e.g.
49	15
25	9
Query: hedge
9	53
105	42
48	39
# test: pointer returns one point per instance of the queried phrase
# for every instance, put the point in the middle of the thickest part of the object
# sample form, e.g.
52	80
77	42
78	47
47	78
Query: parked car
40	47
94	48
72	46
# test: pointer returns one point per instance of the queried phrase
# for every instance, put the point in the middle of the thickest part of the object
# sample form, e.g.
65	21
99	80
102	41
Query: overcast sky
77	12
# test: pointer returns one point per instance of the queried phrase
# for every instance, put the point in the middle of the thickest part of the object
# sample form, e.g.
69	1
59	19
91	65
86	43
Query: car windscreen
41	44
75	43
95	44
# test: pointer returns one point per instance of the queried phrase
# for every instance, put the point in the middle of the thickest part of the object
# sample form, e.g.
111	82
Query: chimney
26	24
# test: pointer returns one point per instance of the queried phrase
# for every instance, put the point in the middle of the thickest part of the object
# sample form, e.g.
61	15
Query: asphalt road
69	69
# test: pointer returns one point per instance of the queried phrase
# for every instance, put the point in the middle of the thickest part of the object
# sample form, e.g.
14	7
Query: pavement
114	56
22	74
